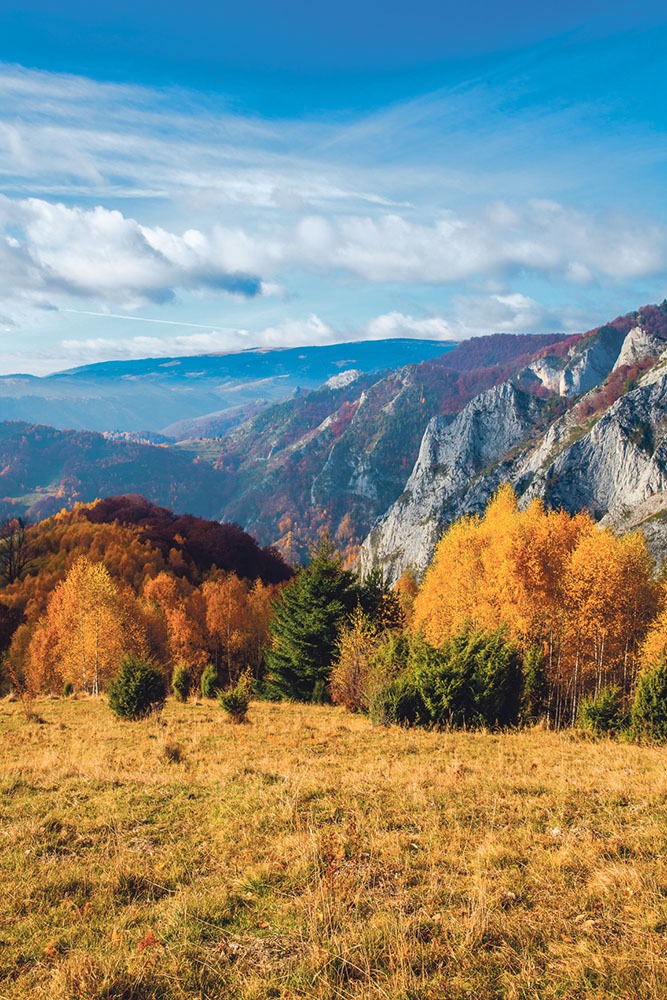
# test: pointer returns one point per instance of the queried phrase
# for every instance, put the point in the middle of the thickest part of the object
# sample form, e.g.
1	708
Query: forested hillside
43	470
338	457
122	575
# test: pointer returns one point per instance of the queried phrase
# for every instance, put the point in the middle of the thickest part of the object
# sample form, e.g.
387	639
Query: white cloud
534	237
53	255
396	324
147	196
292	333
510	313
50	251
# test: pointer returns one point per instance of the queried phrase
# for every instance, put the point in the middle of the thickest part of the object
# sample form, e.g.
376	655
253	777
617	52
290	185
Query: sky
184	179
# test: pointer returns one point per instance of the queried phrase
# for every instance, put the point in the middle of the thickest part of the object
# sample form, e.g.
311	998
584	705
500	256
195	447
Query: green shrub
138	690
404	703
535	688
473	679
603	713
209	682
68	689
649	709
387	662
181	682
235	700
497	678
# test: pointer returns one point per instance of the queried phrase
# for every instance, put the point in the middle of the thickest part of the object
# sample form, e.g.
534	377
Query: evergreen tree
304	629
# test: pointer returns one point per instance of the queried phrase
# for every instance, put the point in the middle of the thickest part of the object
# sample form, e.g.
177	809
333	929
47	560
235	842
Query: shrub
473	679
535	688
603	712
181	683
387	662
138	690
404	702
649	709
68	689
209	681
497	678
235	700
353	670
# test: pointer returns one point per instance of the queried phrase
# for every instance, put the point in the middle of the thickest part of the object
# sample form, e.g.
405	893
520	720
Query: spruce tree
304	628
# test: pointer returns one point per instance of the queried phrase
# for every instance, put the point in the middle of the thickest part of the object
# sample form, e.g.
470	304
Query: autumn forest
523	615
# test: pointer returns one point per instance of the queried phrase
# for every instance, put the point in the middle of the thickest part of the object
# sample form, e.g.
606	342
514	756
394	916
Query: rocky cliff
607	453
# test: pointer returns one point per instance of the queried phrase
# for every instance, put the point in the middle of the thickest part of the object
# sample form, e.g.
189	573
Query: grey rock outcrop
617	460
638	344
609	464
587	363
452	456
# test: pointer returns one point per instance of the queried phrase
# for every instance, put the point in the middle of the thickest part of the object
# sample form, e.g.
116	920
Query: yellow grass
308	855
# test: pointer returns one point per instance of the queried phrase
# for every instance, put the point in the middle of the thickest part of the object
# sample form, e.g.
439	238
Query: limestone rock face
453	454
638	344
620	460
588	362
611	463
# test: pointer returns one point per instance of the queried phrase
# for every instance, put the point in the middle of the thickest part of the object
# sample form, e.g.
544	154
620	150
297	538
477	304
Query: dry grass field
307	855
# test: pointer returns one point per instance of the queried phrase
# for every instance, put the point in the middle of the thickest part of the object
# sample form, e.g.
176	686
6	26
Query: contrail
142	319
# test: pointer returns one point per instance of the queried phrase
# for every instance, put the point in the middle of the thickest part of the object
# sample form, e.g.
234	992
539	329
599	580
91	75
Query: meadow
306	854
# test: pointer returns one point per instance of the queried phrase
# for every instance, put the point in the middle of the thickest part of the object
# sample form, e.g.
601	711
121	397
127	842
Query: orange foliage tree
90	622
558	583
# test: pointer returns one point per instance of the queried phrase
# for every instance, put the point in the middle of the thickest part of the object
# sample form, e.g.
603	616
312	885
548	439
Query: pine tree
304	629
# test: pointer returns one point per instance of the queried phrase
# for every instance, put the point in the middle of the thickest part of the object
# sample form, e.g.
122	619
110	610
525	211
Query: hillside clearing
309	855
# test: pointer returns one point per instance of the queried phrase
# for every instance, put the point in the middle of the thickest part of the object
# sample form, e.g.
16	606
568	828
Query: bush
602	713
352	672
138	690
181	683
404	702
473	679
209	682
387	663
68	689
535	688
649	709
235	700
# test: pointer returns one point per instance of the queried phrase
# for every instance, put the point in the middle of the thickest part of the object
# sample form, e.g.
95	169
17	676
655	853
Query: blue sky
181	179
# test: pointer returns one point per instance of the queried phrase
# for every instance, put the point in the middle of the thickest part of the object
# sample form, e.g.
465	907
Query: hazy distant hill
159	393
43	470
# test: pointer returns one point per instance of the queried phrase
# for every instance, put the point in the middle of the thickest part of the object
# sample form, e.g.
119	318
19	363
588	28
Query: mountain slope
606	452
43	469
339	456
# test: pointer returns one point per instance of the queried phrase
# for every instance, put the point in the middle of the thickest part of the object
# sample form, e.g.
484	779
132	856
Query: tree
308	614
228	625
14	554
183	608
378	602
352	675
89	624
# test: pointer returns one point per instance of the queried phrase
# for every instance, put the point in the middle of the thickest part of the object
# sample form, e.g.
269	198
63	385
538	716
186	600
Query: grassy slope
307	855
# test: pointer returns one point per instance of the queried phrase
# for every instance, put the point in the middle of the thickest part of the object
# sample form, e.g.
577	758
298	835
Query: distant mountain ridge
220	390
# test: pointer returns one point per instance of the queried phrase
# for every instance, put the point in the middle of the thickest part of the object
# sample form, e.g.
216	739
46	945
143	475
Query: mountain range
384	459
192	396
